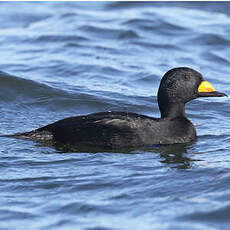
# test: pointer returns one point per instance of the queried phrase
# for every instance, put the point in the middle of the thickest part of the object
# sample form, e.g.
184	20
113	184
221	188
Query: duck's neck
173	110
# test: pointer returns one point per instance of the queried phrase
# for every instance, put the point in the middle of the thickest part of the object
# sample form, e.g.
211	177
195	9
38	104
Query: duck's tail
32	135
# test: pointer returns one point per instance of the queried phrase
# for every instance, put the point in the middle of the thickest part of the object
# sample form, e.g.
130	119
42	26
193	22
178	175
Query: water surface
61	59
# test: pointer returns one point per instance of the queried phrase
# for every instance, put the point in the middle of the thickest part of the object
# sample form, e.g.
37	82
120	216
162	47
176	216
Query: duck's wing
111	129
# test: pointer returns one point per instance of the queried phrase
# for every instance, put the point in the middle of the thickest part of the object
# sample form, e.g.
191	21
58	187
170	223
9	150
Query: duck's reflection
177	155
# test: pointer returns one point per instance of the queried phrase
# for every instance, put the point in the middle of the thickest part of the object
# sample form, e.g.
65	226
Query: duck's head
181	85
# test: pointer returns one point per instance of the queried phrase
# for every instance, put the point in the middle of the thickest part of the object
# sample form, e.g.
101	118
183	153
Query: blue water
60	59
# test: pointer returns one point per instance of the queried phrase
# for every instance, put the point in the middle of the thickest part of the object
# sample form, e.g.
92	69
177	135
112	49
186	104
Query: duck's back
115	130
105	129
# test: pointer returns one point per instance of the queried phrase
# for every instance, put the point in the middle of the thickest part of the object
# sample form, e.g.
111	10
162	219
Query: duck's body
116	130
123	130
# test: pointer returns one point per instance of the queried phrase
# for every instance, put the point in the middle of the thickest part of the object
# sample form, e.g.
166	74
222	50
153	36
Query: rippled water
61	59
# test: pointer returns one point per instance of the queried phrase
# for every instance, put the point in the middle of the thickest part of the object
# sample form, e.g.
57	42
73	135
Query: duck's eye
186	77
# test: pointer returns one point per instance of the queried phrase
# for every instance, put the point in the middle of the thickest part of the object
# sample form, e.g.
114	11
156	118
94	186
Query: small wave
12	88
215	57
217	215
208	40
60	38
8	214
109	33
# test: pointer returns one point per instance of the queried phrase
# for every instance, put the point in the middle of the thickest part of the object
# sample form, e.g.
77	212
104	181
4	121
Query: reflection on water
178	156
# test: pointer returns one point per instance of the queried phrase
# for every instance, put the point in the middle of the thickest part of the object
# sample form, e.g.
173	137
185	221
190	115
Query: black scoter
124	130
